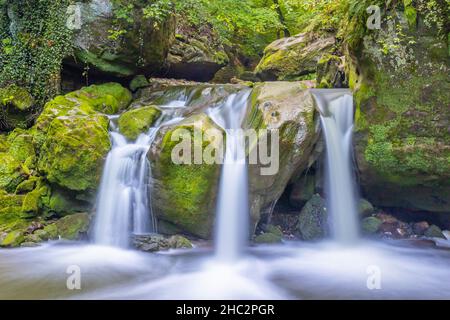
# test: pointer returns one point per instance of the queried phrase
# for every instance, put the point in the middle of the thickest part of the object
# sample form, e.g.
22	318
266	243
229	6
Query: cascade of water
232	217
124	204
336	114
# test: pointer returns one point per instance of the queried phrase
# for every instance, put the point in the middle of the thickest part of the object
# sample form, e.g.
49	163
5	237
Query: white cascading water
232	214
336	114
124	204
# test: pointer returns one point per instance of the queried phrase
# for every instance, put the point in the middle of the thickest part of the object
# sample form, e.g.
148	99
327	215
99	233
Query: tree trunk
281	18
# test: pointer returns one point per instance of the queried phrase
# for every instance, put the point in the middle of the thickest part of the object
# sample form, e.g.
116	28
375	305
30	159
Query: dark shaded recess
440	219
200	72
73	78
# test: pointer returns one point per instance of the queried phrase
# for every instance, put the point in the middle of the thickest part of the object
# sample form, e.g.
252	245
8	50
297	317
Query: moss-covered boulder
72	135
401	84
313	220
286	108
295	57
107	98
16	106
138	82
371	225
120	51
73	153
136	121
184	194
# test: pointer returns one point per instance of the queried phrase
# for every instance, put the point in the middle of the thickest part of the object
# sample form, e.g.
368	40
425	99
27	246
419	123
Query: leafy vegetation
34	40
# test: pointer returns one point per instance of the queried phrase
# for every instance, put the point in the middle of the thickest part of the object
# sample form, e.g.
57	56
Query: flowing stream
292	270
124	204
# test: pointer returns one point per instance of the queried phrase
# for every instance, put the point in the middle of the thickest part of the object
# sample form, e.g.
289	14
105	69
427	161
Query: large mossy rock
143	44
73	136
402	116
16	108
195	57
288	108
136	121
73	153
185	194
51	170
295	57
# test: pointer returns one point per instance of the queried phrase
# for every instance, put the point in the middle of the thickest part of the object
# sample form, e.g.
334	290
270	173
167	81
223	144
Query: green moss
108	98
371	225
134	122
179	242
13	239
138	82
21	146
16	97
106	65
73	226
26	186
33	200
12	172
268	238
74	150
190	189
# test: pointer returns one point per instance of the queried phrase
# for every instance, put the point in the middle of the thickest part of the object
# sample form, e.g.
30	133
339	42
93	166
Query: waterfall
124	204
336	114
232	214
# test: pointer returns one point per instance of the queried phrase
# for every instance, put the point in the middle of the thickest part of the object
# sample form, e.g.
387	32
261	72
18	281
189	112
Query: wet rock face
402	102
142	47
294	57
288	108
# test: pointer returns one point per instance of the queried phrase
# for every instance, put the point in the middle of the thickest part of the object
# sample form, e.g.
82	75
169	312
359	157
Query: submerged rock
313	220
157	242
434	232
268	238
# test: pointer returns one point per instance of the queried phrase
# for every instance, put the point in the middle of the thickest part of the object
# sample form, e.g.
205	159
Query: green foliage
34	42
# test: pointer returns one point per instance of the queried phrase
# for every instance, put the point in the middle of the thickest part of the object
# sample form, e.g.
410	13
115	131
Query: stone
365	208
294	57
420	228
434	232
16	105
313	220
124	54
136	121
371	225
184	195
138	82
289	108
402	143
267	238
